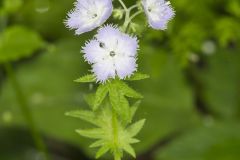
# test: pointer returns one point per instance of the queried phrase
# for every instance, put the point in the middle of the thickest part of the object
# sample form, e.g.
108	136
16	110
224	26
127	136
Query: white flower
111	53
88	15
159	13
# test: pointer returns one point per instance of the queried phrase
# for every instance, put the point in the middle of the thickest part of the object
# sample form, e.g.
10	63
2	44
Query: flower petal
159	13
88	15
103	70
93	53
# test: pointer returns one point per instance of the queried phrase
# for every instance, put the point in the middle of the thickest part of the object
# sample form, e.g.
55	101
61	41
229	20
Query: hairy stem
25	111
115	133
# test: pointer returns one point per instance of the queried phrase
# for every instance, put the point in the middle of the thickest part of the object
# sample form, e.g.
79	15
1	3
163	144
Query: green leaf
128	148
18	42
97	144
135	128
222	97
134	108
101	93
96	133
90	98
86	79
102	151
119	103
127	91
87	116
11	6
133	140
137	76
123	109
227	31
220	141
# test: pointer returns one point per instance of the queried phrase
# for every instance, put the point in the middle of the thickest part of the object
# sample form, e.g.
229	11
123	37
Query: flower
111	53
88	15
159	13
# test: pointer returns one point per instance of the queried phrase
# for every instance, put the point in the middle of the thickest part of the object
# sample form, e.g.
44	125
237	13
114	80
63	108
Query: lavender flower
159	12
88	15
111	53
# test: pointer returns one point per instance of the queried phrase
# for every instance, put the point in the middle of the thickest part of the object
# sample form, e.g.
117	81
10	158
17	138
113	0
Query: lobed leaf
134	108
128	148
101	93
96	133
98	143
128	91
90	98
102	151
137	76
133	140
86	79
87	116
119	103
135	128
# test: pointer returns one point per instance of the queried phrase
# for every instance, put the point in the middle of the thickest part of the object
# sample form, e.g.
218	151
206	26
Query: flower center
112	53
94	16
149	9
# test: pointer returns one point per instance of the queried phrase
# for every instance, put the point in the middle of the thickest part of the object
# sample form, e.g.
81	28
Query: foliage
114	134
219	140
187	117
104	134
18	42
52	101
10	6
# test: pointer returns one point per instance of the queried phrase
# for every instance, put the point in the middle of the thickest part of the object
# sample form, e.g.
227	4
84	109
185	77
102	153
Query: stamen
102	45
94	15
112	53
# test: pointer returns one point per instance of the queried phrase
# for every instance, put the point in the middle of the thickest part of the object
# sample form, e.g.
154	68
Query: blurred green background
192	100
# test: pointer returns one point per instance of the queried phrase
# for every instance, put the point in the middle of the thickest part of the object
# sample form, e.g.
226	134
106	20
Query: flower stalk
128	17
37	139
26	111
115	133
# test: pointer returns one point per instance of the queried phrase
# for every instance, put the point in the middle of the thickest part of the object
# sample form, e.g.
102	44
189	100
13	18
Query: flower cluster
112	53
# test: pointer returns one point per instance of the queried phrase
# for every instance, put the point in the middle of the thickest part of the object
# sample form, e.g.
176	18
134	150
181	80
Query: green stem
25	111
114	125
135	14
126	21
123	5
129	18
133	6
116	154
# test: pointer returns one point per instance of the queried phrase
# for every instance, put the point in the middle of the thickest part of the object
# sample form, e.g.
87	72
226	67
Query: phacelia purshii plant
112	54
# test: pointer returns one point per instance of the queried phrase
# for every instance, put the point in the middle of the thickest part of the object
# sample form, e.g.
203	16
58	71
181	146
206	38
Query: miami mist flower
111	53
159	13
88	15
